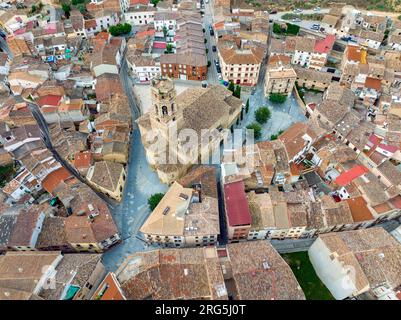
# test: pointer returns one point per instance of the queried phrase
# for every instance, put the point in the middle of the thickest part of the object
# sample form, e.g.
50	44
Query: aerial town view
200	150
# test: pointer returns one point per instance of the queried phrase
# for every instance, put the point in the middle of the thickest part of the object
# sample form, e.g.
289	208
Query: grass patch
302	268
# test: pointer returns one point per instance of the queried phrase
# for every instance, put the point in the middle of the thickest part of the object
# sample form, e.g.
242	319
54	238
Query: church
206	111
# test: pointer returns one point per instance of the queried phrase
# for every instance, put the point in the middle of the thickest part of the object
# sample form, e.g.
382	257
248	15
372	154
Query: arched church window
164	110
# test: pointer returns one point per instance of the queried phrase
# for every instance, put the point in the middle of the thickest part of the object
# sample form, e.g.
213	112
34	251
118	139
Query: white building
352	263
140	16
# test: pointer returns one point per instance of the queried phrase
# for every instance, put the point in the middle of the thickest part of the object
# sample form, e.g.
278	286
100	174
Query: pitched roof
106	174
236	204
293	138
260	273
54	178
348	176
171	274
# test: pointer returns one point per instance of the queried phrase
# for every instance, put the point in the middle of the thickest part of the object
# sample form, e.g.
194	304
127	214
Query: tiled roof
236	204
350	175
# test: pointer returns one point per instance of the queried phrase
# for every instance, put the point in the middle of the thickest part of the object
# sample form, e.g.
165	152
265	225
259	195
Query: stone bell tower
164	112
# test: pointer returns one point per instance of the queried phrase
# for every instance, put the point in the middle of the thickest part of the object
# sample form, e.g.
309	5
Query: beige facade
184	217
279	80
108	178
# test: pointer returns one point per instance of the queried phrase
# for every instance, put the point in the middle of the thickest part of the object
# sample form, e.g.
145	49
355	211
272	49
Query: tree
154	2
209	64
154	200
169	48
231	87
277	98
67	9
247	106
120	29
205	40
257	129
165	31
33	8
237	92
262	115
207	50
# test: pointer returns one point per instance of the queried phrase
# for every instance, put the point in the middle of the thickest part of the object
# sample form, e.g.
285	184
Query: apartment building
240	60
186	216
279	79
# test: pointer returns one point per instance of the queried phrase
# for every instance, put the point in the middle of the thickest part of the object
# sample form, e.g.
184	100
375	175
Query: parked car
214	49
296	20
316	9
216	62
315	26
218	69
204	84
220	77
211	32
273	11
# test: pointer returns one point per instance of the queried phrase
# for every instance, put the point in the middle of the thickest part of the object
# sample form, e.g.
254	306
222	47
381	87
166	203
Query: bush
277	98
154	200
262	115
257	129
275	136
231	87
120	29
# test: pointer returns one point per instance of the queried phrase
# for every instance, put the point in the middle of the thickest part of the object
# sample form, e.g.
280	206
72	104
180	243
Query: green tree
120	29
257	129
67	9
237	92
277	28
205	40
154	200
209	64
277	98
231	87
165	31
154	2
247	106
207	50
33	8
262	115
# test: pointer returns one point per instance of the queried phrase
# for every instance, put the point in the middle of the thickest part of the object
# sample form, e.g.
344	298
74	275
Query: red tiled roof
359	209
82	160
373	83
396	202
49	100
145	33
135	2
388	148
236	204
53	179
325	45
159	45
350	175
109	289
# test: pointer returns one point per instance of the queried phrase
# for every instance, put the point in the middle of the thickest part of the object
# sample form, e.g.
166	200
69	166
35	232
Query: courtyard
303	270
